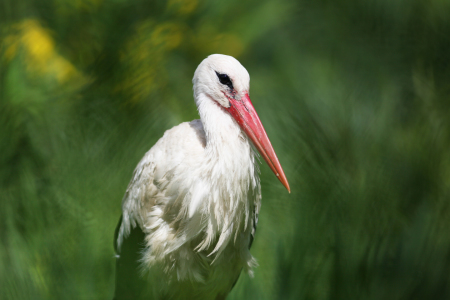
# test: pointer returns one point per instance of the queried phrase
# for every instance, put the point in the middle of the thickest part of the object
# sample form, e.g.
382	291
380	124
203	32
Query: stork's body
195	196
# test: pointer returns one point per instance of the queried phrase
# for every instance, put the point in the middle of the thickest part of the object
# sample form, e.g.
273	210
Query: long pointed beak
244	113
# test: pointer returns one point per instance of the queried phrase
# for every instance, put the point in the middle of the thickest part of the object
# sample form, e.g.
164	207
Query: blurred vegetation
353	94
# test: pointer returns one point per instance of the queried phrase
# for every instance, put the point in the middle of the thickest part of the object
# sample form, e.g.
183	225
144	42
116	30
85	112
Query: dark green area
354	96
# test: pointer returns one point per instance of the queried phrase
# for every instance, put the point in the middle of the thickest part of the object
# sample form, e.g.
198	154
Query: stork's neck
222	131
231	172
229	158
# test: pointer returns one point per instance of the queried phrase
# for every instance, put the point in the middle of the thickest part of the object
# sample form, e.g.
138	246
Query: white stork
190	211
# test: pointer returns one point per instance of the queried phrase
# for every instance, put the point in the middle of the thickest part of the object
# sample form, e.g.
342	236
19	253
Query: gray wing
154	172
147	188
140	189
129	238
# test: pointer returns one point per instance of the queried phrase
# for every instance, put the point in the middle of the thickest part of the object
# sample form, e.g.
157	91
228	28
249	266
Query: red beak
244	113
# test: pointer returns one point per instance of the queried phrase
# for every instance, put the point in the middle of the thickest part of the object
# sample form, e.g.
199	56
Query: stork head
221	77
224	80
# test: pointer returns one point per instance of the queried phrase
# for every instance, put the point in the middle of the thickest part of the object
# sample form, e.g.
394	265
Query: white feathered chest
197	206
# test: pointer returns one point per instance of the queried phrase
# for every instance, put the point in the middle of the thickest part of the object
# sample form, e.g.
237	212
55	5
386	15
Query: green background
354	96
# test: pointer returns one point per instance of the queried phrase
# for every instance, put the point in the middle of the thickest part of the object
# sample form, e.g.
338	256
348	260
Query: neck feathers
232	172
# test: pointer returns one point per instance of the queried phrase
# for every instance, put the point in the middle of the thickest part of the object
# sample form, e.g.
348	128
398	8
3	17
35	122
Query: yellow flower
40	55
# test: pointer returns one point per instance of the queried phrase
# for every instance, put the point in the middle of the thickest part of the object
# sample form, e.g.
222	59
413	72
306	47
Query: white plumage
196	194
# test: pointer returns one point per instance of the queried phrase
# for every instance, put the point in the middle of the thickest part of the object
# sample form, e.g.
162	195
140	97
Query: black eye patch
224	79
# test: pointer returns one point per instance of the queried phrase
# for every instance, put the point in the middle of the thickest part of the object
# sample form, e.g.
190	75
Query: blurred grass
354	96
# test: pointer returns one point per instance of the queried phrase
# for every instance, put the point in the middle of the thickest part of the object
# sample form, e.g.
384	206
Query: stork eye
224	79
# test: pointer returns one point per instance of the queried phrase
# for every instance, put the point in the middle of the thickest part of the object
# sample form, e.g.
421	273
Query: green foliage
353	94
